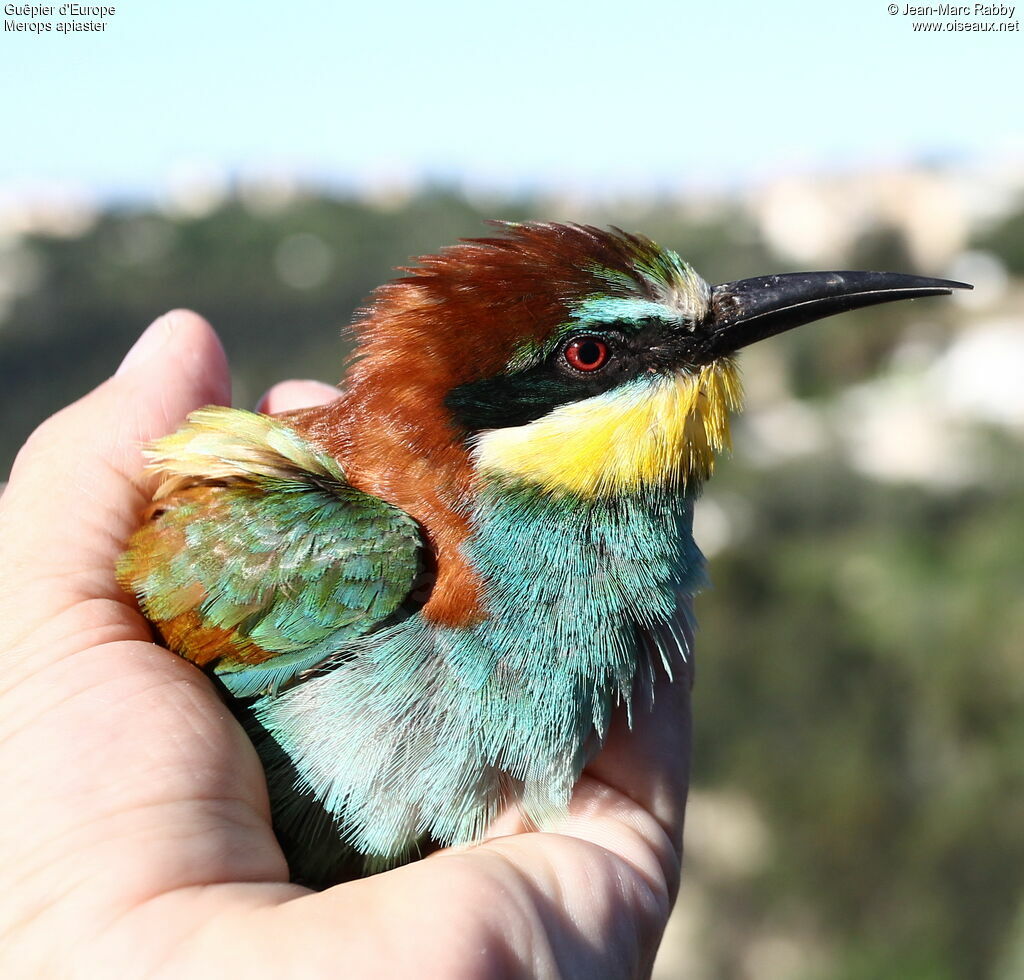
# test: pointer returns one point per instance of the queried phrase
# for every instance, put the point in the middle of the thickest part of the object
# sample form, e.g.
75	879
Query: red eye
586	353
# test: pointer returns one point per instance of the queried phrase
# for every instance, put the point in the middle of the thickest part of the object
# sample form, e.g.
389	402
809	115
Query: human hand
137	835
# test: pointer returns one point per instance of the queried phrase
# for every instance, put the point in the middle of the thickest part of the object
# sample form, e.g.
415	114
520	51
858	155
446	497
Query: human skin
136	831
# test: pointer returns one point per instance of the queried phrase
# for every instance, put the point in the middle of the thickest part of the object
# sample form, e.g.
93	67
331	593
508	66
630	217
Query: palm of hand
137	835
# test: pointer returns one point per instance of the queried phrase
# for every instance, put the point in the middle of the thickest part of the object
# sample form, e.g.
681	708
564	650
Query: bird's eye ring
586	353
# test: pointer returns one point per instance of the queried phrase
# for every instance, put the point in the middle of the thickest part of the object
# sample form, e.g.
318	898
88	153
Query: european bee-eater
427	597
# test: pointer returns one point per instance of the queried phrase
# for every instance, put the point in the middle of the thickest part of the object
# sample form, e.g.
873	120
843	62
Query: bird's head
578	360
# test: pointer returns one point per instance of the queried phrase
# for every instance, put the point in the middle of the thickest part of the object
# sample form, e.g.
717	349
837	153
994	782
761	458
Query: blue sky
633	95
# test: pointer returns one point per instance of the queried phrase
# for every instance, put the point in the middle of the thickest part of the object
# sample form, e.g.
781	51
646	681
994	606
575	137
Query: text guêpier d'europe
37	18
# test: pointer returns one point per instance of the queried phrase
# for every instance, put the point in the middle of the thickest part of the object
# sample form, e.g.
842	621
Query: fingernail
287	396
153	339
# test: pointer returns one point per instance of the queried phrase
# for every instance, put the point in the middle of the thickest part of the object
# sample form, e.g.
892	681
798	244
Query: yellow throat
657	430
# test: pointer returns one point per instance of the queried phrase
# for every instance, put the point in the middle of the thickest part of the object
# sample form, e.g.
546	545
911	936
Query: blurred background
858	800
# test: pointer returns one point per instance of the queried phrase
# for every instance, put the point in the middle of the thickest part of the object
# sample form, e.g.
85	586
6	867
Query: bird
426	599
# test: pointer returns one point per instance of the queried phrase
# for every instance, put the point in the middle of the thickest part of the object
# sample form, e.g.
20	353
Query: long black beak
751	309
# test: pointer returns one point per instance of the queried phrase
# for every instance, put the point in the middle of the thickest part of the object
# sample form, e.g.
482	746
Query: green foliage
1006	239
861	674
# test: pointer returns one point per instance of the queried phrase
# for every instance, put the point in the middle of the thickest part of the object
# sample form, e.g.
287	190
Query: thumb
77	489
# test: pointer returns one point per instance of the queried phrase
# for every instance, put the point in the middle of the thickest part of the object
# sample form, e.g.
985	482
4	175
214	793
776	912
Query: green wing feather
259	559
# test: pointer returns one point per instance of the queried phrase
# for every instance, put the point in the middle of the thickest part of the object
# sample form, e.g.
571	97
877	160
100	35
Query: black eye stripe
517	397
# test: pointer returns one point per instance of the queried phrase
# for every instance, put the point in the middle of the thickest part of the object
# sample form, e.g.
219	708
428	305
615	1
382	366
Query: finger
76	490
290	395
631	800
612	866
614	862
529	905
127	768
646	755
